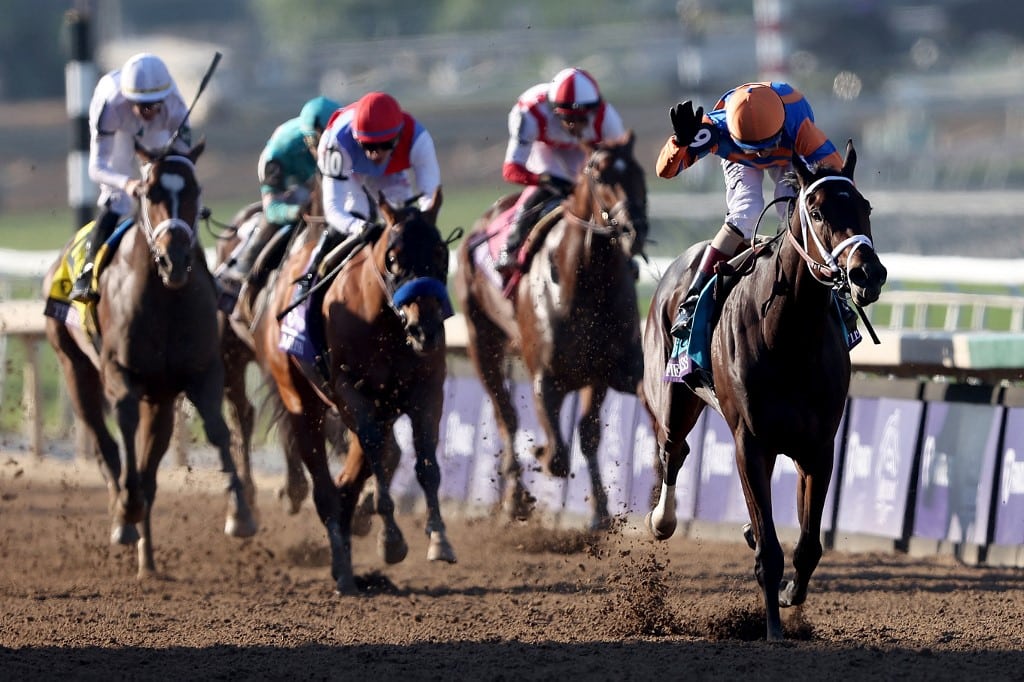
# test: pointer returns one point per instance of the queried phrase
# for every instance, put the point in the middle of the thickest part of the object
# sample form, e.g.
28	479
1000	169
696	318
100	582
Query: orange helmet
754	114
378	118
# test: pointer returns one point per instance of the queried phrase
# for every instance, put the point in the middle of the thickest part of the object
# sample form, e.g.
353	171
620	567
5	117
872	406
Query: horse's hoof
392	547
440	549
659	533
790	595
125	534
291	505
361	523
748	535
519	504
244	527
345	586
600	523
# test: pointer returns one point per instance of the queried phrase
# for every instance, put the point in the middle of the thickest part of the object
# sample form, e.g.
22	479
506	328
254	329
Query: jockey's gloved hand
685	122
557	185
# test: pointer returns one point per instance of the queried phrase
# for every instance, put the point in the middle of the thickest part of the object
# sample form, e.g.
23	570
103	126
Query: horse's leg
553	455
87	400
425	423
302	435
296	486
812	489
683	413
206	393
591	399
486	350
362	516
156	424
755	465
131	505
241	415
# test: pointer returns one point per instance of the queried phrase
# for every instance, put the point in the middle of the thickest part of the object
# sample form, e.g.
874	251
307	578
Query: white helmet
144	78
573	90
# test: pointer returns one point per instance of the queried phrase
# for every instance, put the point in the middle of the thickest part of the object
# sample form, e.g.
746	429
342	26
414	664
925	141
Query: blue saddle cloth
689	355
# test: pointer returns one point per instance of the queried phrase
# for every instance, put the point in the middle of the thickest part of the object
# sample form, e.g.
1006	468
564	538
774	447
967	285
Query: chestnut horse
573	317
780	367
157	321
383	323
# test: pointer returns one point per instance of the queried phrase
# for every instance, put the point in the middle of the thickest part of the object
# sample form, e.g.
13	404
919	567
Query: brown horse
383	324
157	320
573	317
780	366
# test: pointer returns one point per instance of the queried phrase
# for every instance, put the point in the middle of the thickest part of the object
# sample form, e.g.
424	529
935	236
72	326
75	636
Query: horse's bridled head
173	251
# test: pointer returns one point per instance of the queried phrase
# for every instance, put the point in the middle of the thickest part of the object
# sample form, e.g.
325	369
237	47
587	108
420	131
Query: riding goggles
383	146
760	145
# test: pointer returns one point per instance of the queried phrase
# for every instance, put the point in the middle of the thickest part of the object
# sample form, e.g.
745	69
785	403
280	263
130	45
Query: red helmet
573	90
378	118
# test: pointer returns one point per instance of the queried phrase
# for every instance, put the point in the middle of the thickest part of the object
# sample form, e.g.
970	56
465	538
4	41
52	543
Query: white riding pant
744	194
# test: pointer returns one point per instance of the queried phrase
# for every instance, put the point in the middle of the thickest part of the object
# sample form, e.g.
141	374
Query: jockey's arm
522	134
101	151
277	208
423	160
344	200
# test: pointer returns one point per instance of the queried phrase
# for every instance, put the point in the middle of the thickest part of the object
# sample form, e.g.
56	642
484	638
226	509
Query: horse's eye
817	216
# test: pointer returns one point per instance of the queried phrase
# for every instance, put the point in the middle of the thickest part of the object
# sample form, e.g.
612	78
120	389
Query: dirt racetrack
522	602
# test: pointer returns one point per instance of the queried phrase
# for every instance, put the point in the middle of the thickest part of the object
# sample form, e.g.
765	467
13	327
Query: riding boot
507	260
329	238
684	315
82	290
239	265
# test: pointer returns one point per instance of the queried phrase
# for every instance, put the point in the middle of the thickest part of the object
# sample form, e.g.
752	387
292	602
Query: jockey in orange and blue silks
755	129
370	144
548	126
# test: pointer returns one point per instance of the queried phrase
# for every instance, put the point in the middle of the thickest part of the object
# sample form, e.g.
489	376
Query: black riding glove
685	122
556	185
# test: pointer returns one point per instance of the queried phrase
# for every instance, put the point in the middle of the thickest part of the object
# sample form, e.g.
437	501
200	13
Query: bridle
173	184
614	220
828	272
399	290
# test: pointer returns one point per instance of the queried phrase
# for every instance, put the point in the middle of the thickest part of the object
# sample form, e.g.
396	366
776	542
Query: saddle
59	306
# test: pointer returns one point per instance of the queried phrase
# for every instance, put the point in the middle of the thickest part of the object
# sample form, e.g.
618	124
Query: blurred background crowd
932	92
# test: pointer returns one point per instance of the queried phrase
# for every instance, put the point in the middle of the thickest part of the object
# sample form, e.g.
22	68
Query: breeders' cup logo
887	469
1013	476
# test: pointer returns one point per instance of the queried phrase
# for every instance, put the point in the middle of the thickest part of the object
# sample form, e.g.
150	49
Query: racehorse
780	368
157	321
573	317
383	326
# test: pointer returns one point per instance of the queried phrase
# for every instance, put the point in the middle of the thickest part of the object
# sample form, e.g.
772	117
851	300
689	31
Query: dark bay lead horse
157	317
781	369
573	318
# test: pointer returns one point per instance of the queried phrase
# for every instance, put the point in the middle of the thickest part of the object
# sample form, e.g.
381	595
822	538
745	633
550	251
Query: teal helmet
315	114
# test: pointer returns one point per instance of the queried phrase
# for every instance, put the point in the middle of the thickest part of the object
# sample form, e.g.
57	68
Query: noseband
829	272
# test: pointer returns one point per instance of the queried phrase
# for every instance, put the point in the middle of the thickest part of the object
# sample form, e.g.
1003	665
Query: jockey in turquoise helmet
287	174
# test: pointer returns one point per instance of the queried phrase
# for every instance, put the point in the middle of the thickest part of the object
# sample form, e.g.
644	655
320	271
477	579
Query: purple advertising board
959	445
457	444
1009	514
879	459
614	458
719	494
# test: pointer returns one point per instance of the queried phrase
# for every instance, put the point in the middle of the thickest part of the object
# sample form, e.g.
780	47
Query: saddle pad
689	355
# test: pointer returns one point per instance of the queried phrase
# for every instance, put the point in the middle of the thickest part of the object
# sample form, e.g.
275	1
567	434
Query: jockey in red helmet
370	146
548	126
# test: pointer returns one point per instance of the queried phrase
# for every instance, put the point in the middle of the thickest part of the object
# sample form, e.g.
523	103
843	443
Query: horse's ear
194	153
851	160
630	139
805	174
385	208
435	205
